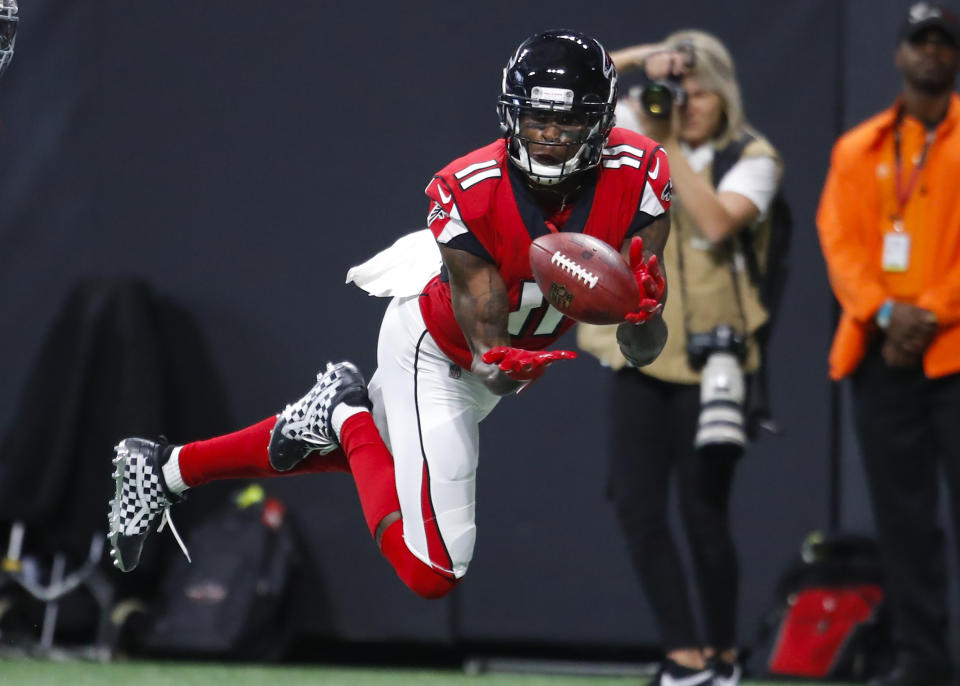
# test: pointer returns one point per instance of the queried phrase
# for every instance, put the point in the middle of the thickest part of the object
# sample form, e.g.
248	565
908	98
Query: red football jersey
480	203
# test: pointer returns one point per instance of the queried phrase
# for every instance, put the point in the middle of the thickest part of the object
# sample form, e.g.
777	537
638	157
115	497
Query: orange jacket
856	210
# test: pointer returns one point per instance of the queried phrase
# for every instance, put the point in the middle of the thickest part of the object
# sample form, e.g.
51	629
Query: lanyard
730	247
904	192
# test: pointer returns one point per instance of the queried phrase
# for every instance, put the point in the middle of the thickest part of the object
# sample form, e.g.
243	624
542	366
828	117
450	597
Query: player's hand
650	280
524	365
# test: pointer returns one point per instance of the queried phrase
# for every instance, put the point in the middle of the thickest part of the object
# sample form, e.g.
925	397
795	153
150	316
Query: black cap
924	15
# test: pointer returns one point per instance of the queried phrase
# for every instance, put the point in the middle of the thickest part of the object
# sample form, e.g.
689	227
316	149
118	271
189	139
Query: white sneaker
726	673
672	674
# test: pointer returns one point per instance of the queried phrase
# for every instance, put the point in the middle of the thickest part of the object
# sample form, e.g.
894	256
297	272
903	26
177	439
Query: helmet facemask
576	133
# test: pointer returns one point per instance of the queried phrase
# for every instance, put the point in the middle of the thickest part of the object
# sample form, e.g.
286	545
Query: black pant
909	429
653	430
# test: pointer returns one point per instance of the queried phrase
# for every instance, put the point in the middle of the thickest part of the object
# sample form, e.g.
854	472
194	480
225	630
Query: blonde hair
715	70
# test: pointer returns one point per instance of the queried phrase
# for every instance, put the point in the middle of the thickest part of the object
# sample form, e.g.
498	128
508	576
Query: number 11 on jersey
534	311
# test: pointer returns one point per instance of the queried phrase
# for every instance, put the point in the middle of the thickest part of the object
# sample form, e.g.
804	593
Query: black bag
118	360
829	621
231	602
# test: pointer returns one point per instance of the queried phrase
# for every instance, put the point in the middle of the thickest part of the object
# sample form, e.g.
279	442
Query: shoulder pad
627	149
470	181
620	135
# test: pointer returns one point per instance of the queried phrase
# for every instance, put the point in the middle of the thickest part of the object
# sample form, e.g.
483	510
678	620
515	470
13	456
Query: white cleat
304	427
140	499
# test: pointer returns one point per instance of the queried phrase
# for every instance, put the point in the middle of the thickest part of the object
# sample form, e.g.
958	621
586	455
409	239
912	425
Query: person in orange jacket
889	223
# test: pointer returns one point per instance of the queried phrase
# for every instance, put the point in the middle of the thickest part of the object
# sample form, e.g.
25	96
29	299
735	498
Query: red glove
524	365
649	279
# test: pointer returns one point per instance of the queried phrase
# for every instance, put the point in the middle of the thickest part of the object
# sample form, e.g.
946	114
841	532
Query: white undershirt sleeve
755	178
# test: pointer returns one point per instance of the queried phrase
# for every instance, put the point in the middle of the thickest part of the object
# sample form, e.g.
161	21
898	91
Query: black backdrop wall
241	159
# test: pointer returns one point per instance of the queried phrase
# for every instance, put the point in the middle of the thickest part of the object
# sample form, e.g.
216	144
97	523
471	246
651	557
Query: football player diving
465	326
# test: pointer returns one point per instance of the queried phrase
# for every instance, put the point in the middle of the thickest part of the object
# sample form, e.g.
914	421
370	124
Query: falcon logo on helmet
8	31
566	82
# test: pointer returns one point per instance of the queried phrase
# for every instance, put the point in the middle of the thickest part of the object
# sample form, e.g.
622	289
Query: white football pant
428	411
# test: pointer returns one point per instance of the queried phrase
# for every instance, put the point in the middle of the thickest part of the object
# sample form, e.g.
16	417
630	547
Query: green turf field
22	672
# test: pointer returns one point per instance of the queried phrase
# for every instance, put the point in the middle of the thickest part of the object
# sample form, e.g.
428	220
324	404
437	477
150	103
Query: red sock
243	455
419	577
372	467
373	472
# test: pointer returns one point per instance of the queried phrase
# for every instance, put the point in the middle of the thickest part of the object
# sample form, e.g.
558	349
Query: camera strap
731	247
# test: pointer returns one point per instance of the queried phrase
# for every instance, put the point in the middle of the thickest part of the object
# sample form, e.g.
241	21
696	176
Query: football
584	278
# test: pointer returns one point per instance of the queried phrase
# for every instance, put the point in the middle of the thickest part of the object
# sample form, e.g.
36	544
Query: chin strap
546	174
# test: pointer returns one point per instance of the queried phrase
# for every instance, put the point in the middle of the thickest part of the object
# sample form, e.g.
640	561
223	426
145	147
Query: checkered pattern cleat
305	427
141	498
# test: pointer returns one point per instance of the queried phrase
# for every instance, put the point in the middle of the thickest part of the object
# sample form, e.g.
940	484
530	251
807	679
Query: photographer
686	407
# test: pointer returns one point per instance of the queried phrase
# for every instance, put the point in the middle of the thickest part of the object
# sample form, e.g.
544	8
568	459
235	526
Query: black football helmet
8	31
566	76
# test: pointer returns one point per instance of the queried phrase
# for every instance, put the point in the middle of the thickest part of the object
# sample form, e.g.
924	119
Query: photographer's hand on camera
656	105
656	60
664	63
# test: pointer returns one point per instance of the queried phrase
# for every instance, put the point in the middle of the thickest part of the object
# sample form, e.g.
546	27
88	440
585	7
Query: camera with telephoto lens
658	96
718	355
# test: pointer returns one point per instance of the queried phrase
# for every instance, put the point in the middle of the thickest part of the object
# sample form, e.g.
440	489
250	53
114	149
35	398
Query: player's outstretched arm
481	305
644	334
